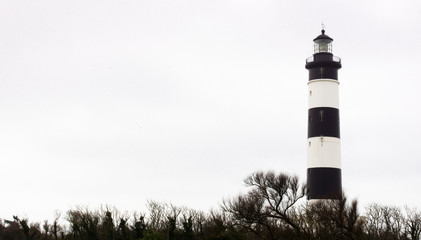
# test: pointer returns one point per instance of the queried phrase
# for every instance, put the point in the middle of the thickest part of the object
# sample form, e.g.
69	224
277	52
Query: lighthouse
324	179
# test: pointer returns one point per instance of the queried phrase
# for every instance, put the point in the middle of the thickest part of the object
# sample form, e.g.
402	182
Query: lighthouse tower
323	143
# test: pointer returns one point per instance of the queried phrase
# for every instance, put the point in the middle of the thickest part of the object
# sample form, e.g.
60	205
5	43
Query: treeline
273	208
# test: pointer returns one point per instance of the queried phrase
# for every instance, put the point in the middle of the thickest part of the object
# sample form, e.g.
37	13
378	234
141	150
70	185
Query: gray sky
118	102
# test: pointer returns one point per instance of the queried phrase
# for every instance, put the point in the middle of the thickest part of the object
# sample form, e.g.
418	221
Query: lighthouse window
316	48
322	46
310	93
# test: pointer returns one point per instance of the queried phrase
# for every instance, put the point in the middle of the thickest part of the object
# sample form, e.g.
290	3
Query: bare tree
156	219
412	224
84	223
55	228
385	222
139	226
46	228
268	209
30	231
334	219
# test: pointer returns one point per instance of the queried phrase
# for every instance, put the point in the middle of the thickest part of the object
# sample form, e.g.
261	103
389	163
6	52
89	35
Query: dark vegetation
273	208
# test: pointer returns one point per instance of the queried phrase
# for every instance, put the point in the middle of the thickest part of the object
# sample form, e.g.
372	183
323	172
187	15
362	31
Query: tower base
324	183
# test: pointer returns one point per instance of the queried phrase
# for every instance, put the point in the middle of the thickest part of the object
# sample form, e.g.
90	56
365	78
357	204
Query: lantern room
323	43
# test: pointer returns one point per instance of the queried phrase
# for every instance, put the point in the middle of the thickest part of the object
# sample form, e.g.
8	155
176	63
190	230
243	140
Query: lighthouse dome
323	36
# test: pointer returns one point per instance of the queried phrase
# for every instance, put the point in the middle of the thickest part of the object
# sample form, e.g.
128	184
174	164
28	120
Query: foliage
272	208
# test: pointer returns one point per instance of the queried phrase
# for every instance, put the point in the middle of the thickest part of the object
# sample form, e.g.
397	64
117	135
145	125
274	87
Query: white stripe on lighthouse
324	152
323	93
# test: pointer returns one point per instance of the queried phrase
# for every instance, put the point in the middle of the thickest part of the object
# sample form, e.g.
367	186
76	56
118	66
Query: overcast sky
120	102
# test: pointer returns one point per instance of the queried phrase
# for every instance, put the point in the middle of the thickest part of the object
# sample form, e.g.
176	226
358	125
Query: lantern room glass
323	45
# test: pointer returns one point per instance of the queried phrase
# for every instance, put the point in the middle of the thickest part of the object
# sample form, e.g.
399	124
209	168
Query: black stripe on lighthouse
323	72
324	183
323	121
